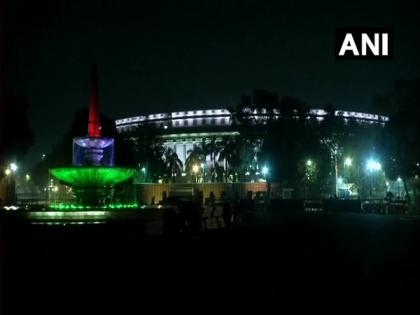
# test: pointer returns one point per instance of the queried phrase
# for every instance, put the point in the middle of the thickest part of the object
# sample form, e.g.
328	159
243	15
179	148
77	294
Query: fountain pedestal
93	175
93	151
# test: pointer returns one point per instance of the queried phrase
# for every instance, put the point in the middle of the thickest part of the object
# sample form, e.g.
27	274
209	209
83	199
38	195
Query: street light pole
265	170
372	167
10	183
335	173
195	170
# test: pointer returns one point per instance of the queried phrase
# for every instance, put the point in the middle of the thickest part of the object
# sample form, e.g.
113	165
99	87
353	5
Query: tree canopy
399	144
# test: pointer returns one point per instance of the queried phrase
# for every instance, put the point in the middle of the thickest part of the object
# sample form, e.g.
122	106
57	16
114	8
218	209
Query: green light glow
68	223
73	207
92	176
70	215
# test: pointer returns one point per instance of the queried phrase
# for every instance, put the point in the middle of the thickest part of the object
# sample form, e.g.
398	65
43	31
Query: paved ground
354	263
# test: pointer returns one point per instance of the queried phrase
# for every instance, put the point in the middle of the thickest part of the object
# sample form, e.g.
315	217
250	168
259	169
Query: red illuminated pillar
94	125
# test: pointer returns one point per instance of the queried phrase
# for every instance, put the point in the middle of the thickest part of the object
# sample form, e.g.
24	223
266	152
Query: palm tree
173	163
212	149
196	155
332	137
238	153
229	152
149	151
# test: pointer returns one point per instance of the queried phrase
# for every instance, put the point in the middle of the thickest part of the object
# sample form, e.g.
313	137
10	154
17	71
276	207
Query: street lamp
373	165
309	170
10	183
348	162
195	169
265	170
399	182
13	167
142	174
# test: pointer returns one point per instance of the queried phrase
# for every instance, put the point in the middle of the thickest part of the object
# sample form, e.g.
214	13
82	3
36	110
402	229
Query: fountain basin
91	176
92	185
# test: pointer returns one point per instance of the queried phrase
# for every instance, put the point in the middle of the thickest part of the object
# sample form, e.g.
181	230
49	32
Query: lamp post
348	162
143	171
13	167
10	183
372	167
195	169
29	186
308	172
265	172
203	172
8	173
335	172
339	184
399	182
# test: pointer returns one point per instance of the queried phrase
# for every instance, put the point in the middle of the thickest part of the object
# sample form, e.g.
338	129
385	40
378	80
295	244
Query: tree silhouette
238	152
149	151
173	163
212	149
399	143
196	156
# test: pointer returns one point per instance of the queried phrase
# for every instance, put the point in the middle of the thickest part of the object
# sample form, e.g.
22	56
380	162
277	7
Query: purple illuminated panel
93	151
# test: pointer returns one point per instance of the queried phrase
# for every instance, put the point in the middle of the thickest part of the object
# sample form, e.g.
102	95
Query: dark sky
156	56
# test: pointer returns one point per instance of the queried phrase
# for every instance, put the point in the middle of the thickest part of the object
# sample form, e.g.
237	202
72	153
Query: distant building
182	130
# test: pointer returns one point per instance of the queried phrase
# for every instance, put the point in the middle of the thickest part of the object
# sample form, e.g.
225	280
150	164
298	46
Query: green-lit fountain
93	175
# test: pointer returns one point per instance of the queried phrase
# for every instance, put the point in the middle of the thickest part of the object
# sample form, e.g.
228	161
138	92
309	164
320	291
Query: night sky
156	56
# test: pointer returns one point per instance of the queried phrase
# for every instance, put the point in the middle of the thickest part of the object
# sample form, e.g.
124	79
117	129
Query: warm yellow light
195	168
8	171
